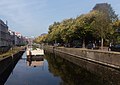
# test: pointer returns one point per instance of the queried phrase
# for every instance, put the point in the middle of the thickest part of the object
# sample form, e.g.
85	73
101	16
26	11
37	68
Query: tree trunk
102	43
83	43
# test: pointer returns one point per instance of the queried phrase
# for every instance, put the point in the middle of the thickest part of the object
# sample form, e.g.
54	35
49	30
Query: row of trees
99	25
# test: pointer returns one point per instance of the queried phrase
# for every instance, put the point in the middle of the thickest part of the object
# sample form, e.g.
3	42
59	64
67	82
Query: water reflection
72	74
32	71
35	61
55	70
8	65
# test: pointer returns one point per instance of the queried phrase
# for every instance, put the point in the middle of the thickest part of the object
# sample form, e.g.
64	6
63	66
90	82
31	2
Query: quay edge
103	64
107	58
7	64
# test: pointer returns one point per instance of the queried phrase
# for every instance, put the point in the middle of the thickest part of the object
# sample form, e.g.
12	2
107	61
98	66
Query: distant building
9	38
19	39
30	40
12	38
43	34
4	34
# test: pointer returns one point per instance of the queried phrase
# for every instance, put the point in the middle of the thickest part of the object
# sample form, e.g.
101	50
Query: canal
52	70
32	73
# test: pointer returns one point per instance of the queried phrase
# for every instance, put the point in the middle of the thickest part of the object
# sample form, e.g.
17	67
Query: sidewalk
104	49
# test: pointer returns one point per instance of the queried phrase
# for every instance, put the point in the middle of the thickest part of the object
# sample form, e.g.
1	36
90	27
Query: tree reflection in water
72	74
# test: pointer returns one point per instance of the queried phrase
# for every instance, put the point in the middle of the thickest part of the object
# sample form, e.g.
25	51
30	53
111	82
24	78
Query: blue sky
33	17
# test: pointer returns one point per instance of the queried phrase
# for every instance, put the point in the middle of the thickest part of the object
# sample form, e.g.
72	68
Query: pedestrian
109	48
93	45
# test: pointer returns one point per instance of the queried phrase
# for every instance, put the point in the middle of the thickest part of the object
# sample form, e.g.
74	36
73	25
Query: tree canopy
100	24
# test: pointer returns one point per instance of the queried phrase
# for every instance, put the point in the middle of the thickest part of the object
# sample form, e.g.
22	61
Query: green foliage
115	38
116	24
95	25
67	31
101	25
40	39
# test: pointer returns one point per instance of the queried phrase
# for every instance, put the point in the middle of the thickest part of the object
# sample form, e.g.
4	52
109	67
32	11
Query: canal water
32	73
51	70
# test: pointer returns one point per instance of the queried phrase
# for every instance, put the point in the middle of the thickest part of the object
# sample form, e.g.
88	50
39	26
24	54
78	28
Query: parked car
89	46
92	46
115	48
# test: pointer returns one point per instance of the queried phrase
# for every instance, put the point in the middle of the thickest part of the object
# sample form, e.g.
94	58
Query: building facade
3	34
9	38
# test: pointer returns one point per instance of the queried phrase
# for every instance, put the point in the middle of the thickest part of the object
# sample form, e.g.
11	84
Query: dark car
89	46
115	48
92	46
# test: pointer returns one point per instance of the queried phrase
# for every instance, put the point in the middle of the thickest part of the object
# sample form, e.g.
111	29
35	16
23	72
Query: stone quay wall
107	58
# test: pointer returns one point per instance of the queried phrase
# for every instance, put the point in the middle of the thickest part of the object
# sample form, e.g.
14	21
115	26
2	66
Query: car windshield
117	45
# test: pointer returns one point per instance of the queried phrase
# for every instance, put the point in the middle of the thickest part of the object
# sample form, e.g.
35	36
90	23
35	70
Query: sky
33	17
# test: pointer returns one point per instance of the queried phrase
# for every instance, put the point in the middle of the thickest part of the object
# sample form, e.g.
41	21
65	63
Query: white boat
35	52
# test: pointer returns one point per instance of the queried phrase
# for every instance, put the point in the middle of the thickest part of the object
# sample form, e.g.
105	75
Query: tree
101	26
110	17
83	28
116	34
116	25
54	25
40	39
67	33
92	26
